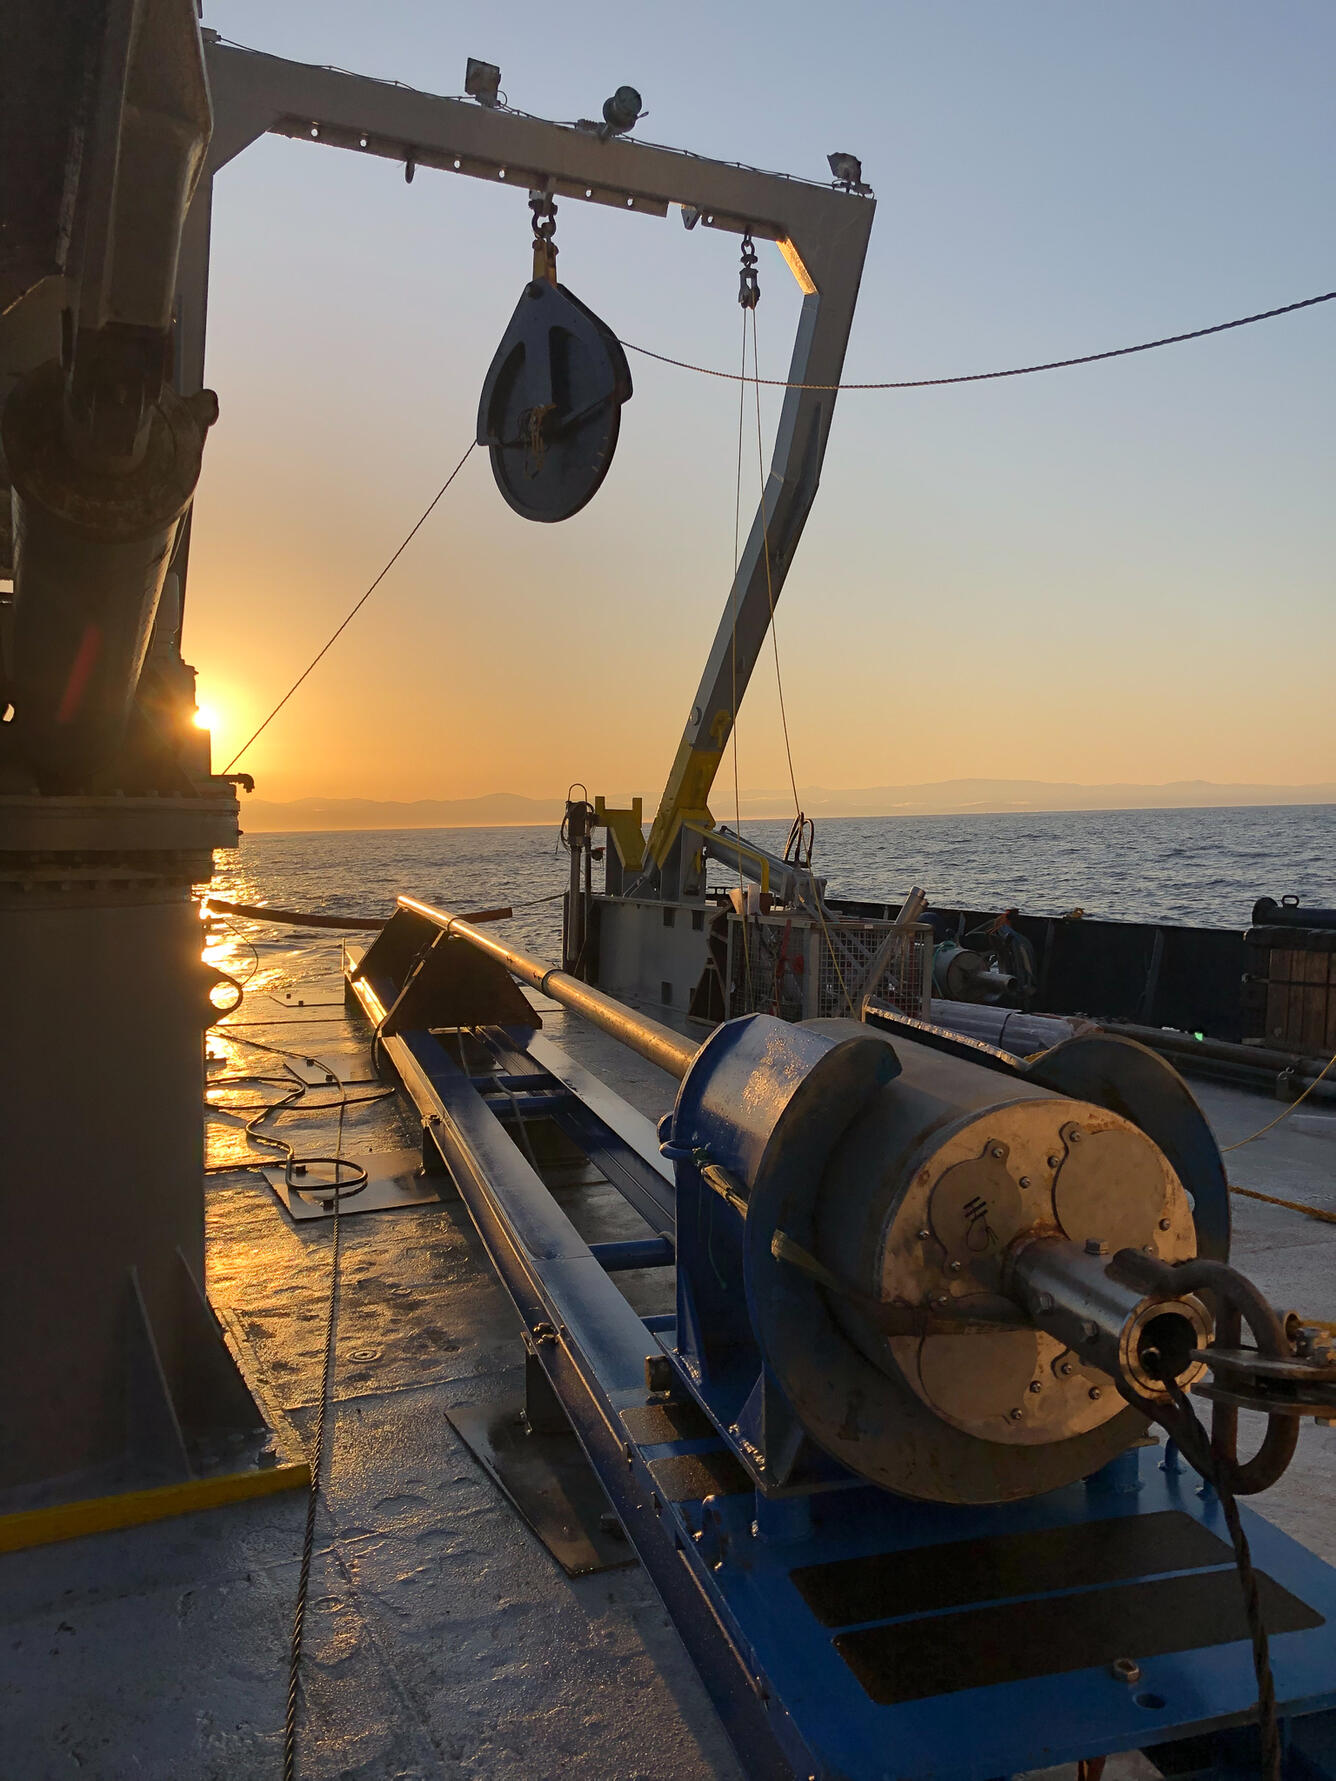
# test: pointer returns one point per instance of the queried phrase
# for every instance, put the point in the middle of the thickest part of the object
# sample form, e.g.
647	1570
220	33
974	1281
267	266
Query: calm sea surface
1196	866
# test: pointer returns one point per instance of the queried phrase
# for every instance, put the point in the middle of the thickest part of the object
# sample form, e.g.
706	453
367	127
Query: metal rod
1256	1057
660	1045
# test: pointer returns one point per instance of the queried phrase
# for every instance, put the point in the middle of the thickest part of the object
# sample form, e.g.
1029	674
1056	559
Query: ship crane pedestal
889	1462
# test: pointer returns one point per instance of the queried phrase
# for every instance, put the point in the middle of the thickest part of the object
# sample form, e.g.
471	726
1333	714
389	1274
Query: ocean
1201	867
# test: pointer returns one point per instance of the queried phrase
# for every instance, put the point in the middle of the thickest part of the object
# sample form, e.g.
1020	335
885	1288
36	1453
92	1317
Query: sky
1121	572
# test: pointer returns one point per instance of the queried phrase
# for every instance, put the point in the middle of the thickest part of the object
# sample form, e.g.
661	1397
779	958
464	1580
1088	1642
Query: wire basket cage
803	969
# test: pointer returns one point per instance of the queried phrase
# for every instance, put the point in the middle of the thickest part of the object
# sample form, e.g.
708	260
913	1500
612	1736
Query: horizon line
881	816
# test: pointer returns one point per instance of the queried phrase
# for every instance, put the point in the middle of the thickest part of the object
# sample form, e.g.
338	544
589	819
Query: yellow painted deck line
132	1508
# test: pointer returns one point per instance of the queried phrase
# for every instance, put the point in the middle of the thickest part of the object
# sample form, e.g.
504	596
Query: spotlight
690	216
848	172
621	112
482	81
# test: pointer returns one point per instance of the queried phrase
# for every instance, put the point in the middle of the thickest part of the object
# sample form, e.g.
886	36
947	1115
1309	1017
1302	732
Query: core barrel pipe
1128	1329
659	1045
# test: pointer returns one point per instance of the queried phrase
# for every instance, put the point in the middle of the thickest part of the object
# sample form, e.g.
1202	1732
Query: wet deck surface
442	1640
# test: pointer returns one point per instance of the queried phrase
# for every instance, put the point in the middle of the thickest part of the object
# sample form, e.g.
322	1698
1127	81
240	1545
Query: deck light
621	112
482	81
848	172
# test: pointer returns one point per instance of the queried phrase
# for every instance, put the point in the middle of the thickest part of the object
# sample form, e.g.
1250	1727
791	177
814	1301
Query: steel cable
799	818
1252	1193
336	634
313	1497
336	1191
1272	1124
1217	1477
733	670
925	383
769	578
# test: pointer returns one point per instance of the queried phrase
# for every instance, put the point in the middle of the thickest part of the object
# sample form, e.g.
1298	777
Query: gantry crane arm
830	293
821	230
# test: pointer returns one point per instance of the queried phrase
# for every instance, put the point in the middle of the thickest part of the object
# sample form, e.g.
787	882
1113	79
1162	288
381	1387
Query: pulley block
551	403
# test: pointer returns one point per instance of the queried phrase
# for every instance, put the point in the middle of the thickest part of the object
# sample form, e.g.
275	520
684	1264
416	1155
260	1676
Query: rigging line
338	1189
733	665
1216	1472
313	1495
924	383
326	647
1252	1193
1296	1102
779	678
769	579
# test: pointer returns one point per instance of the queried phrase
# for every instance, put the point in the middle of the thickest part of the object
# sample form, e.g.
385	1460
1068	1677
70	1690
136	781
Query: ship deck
442	1639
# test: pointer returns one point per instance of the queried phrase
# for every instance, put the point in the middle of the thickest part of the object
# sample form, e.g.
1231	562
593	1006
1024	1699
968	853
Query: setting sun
206	718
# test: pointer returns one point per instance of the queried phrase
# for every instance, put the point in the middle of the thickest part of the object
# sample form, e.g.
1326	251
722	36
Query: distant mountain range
942	797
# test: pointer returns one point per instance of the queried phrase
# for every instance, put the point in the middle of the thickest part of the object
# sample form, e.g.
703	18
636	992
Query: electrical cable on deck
288	1102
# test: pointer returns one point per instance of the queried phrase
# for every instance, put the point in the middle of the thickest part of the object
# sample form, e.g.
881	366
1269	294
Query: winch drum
945	1172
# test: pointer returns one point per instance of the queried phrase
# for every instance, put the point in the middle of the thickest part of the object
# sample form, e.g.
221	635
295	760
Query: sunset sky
1120	572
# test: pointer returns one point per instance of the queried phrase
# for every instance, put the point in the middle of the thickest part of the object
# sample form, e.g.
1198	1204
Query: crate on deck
1289	988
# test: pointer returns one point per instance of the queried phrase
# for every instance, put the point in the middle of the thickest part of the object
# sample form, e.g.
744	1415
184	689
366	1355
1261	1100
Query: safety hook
543	210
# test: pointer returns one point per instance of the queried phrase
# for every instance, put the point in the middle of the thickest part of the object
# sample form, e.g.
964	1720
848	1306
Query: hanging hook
543	209
749	286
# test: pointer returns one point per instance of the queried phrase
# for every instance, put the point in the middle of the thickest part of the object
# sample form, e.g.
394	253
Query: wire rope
733	667
1218	1478
352	614
769	578
334	1193
757	380
317	1470
925	383
1297	1102
1253	1193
